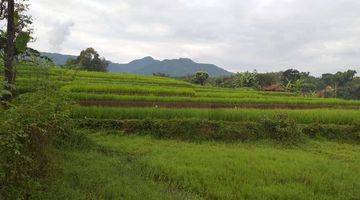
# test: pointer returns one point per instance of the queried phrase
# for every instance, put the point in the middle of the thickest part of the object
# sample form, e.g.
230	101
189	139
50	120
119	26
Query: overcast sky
238	35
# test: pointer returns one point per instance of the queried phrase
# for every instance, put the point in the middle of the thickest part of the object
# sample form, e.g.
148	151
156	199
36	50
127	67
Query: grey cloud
312	35
58	34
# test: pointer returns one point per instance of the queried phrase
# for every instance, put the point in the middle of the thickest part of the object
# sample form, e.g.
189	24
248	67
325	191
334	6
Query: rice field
116	164
230	101
325	116
136	96
138	167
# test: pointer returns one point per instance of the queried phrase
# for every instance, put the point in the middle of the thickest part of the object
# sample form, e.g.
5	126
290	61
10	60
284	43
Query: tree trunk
9	54
336	90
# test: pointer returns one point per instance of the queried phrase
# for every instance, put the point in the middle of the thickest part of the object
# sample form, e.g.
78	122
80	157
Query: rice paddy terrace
162	138
127	96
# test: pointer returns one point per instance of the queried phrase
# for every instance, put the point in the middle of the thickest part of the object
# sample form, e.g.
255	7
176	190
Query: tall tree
15	38
89	60
8	12
290	76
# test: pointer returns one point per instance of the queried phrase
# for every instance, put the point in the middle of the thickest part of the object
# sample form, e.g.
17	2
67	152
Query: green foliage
183	129
23	30
308	88
282	129
294	87
290	76
200	129
26	131
89	60
268	79
200	77
5	91
351	90
348	133
342	84
247	79
21	42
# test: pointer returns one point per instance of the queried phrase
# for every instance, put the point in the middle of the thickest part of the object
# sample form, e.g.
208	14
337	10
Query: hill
59	59
149	65
170	139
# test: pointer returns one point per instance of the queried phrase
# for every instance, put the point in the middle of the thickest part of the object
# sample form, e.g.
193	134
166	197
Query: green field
136	163
138	167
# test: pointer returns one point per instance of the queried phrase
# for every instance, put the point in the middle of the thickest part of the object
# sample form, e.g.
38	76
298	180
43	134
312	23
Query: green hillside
147	137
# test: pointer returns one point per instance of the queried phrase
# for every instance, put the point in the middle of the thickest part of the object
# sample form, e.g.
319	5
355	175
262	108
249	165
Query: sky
315	36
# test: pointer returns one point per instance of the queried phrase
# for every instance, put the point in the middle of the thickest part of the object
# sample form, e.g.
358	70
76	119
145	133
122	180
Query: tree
247	79
351	90
89	60
337	80
9	14
14	39
200	77
290	76
268	79
159	74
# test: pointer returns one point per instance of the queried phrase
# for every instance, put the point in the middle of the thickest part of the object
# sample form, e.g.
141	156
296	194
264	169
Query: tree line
338	85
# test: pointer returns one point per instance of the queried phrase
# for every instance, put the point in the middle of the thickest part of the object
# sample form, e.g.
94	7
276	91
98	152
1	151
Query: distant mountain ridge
148	65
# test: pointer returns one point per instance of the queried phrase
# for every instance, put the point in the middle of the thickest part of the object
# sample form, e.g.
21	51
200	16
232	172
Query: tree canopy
200	77
89	60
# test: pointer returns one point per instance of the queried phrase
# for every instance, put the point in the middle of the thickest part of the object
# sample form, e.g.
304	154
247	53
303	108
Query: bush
348	133
26	132
183	129
282	129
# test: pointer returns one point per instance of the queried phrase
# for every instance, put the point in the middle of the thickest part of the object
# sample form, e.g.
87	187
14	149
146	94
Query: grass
325	116
142	167
138	167
97	175
215	100
130	89
108	86
29	70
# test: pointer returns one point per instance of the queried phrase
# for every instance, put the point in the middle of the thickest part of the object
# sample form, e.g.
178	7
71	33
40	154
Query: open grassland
326	116
138	167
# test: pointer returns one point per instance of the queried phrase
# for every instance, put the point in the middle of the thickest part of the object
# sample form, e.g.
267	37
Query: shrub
183	129
25	135
282	129
348	133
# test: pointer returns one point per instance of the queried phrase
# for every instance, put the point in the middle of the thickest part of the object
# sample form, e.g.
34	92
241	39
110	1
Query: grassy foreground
138	167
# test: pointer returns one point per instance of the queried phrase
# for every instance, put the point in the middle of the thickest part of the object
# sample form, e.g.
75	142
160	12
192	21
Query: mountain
149	65
59	59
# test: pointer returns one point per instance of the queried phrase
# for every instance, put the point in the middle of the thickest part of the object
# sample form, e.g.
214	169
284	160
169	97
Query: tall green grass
29	70
130	89
325	116
318	170
215	100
